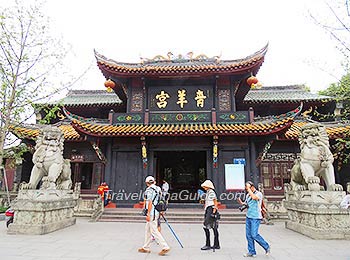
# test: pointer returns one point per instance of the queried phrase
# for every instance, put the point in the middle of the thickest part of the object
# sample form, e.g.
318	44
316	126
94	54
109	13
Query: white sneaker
249	255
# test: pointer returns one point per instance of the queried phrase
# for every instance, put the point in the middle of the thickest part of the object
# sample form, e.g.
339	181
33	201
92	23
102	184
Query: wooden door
127	174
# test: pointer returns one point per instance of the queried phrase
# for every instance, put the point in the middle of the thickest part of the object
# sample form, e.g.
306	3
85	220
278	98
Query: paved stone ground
120	241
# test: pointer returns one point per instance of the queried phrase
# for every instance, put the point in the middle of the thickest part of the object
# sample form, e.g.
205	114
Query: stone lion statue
49	165
315	161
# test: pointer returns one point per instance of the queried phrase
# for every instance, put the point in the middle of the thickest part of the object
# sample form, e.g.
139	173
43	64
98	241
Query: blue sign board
239	161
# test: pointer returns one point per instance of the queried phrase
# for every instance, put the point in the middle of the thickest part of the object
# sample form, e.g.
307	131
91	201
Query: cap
250	183
208	184
149	179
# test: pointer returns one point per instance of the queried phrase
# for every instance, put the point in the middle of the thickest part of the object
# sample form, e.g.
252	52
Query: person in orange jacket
102	191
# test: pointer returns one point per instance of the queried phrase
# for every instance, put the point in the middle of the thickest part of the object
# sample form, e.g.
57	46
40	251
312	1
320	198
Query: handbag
216	215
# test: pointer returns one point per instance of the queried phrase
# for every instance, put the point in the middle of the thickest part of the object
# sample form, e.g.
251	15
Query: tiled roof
282	94
182	130
334	130
185	66
89	98
266	127
32	131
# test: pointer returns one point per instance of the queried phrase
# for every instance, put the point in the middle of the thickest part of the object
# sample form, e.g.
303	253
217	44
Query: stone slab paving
120	241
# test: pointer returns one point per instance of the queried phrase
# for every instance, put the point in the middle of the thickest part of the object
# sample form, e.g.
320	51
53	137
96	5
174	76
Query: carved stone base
89	206
276	209
39	212
317	214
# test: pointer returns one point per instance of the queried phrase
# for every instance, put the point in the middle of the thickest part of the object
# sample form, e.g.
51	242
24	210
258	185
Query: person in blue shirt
253	218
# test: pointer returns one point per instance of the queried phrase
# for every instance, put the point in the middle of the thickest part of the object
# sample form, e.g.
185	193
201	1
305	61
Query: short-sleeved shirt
165	187
151	194
159	190
210	196
254	206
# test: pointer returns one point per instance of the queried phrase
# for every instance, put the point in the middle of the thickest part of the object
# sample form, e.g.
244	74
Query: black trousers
210	223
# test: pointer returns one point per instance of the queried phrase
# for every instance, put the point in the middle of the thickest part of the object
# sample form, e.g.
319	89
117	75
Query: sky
299	51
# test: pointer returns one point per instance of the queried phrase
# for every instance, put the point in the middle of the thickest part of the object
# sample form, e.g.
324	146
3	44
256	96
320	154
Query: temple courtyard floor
119	241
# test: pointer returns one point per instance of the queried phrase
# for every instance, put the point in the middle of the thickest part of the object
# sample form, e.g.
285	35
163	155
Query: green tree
30	59
341	92
335	20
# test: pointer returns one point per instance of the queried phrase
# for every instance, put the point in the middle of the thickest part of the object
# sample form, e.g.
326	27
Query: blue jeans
251	231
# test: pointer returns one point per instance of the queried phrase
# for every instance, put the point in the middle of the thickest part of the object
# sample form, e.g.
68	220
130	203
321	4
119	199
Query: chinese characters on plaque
162	97
200	98
182	98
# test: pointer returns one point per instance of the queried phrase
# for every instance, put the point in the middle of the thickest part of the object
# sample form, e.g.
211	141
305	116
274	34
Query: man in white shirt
165	190
152	219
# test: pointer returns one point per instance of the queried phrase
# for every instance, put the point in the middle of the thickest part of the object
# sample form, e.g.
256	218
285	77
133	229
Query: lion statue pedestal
312	210
39	212
317	214
51	207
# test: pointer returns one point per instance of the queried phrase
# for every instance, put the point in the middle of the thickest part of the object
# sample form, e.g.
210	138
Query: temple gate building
184	119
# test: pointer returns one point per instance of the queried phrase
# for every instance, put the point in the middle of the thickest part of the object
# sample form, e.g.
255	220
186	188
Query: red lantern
252	80
109	84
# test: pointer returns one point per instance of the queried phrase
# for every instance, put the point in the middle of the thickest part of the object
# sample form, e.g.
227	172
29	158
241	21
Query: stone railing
89	206
4	198
274	205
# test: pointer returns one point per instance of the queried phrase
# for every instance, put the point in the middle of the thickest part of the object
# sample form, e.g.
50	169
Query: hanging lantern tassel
252	81
144	156
110	85
215	152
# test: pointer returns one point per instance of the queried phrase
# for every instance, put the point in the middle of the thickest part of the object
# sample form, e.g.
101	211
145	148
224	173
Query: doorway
82	172
184	171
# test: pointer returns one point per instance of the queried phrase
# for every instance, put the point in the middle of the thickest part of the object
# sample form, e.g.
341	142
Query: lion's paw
287	187
336	187
25	186
313	180
300	187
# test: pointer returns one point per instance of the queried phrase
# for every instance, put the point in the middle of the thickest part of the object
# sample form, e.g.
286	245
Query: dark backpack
162	204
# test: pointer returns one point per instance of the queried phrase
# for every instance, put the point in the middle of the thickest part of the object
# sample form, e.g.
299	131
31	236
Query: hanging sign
234	177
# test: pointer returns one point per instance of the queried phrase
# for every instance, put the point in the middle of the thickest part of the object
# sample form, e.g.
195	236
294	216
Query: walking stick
172	231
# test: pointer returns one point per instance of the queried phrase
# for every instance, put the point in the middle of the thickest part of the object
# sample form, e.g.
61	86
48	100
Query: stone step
171	212
168	216
274	197
173	205
171	221
172	215
185	205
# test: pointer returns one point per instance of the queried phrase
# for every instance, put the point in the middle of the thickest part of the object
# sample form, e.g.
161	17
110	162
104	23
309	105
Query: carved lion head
313	134
51	135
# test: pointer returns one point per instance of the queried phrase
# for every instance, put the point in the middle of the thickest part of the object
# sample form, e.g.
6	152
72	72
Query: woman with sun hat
210	216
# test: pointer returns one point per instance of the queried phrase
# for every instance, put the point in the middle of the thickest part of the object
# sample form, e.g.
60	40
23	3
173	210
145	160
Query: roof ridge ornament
188	57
